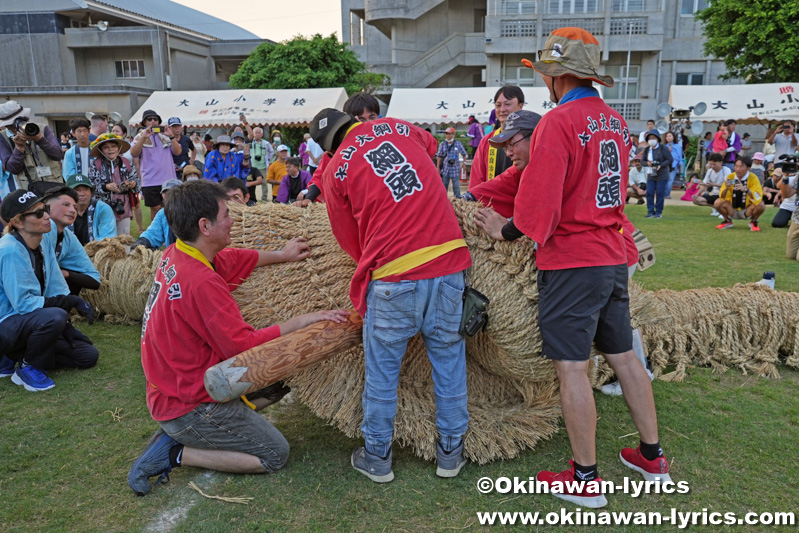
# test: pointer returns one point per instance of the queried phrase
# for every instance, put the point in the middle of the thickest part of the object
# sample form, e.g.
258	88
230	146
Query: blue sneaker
7	367
372	466
32	378
153	462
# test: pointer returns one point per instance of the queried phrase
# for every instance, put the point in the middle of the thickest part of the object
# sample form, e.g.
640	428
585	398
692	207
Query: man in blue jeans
389	212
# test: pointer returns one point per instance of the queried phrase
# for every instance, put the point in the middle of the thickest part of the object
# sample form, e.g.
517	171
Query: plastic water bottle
768	279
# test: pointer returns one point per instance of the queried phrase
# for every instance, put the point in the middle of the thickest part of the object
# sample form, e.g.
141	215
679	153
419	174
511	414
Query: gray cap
168	184
516	122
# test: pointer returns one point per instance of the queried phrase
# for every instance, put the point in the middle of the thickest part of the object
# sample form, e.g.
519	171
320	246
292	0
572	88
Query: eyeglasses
511	146
39	213
151	119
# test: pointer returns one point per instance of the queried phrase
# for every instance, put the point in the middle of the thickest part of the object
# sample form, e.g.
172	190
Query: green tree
756	39
303	63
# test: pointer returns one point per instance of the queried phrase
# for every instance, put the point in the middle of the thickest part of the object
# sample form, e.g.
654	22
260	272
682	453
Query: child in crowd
691	189
720	140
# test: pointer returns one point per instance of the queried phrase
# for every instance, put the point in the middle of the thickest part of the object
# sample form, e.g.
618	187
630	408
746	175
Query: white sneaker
714	213
614	389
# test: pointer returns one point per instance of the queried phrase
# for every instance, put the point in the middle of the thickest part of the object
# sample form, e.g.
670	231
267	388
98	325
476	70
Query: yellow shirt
276	172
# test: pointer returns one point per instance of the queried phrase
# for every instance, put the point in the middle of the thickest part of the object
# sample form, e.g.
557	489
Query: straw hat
124	145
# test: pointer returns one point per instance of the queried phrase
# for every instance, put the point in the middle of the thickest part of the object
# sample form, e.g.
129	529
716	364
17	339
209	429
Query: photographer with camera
28	150
448	163
262	153
741	196
154	146
784	139
786	179
114	178
657	161
187	153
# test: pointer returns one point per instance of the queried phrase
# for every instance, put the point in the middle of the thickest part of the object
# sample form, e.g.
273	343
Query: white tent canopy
749	104
454	105
206	109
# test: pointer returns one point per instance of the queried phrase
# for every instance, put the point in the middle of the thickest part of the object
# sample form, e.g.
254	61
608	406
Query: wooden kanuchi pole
279	358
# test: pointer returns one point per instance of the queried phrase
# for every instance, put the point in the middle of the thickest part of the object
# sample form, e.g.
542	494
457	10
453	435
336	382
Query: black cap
149	113
58	191
326	124
516	122
17	202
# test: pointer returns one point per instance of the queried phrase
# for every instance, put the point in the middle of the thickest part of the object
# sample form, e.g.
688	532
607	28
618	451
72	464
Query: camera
28	128
118	205
451	161
789	164
158	129
258	158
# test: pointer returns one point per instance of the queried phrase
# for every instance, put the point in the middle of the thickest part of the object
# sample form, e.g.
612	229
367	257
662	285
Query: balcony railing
622	26
593	25
518	28
632	112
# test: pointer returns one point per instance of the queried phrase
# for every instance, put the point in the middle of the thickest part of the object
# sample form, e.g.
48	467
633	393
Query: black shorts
711	198
578	306
152	195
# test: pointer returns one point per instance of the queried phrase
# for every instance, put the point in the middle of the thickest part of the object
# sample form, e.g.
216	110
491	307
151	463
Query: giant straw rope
513	392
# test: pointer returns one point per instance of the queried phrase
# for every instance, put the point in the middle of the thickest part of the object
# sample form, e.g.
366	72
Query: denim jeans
655	195
670	183
230	426
456	184
395	313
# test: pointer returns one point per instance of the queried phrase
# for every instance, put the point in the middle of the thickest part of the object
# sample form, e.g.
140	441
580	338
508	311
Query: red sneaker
563	485
725	225
657	470
754	226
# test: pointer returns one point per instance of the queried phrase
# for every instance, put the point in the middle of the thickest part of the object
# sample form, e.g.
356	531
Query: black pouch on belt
475	311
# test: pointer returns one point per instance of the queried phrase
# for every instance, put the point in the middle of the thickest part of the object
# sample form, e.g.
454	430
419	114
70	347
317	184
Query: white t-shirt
637	177
314	151
789	204
85	157
716	179
783	145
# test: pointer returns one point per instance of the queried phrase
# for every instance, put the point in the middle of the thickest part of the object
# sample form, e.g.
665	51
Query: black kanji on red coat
384	158
403	182
381	129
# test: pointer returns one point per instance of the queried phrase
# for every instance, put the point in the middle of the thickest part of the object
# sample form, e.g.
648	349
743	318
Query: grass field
65	453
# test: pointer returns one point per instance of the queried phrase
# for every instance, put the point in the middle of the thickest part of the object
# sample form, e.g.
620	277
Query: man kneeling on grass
191	323
741	196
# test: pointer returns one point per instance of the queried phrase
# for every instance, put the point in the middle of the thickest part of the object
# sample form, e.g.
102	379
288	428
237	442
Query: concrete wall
30	62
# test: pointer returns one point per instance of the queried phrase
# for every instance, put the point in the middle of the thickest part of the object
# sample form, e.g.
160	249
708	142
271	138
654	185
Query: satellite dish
663	110
88	115
115	117
700	108
102	25
697	127
662	126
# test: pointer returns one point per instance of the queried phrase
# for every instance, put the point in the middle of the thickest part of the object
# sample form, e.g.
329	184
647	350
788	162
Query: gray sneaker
372	466
449	464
